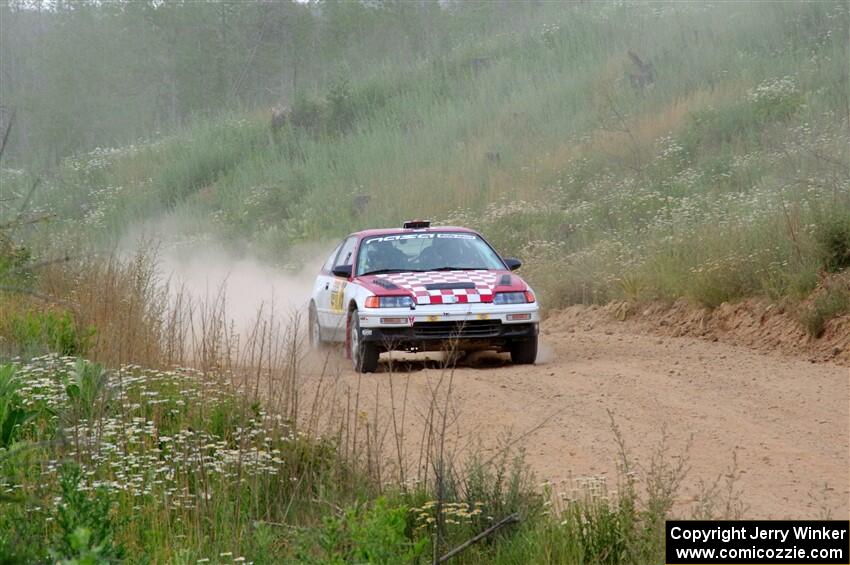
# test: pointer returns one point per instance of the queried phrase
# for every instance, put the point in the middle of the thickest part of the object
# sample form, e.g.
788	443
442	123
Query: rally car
422	288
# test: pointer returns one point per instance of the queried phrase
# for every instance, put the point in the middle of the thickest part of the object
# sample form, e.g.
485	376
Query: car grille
468	329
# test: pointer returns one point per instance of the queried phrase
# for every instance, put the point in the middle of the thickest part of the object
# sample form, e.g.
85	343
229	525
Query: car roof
391	231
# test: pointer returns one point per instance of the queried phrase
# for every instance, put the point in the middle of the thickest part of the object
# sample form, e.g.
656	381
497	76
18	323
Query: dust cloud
249	286
545	352
209	272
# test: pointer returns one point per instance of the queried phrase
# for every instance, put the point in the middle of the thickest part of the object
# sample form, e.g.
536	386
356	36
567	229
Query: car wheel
524	352
364	354
316	340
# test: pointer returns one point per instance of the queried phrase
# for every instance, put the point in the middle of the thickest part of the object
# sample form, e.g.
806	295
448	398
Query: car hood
444	287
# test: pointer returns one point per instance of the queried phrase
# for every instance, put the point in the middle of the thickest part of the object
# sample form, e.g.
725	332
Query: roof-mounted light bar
416	224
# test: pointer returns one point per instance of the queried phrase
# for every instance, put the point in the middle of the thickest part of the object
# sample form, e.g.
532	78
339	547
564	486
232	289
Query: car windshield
425	252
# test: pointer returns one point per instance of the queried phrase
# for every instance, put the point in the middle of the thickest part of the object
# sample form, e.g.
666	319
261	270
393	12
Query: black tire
314	329
364	354
524	352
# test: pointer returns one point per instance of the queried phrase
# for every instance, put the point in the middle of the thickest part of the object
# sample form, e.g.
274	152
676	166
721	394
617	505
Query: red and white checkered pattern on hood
484	283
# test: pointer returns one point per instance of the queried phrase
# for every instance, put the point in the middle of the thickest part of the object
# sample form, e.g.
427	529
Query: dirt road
785	419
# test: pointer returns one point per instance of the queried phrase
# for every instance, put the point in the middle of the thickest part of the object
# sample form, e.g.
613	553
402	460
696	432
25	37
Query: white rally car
422	288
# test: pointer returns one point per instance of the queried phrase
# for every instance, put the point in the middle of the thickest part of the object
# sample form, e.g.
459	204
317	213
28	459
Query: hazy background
85	74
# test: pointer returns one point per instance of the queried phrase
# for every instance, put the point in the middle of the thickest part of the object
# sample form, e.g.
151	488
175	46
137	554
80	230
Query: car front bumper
434	327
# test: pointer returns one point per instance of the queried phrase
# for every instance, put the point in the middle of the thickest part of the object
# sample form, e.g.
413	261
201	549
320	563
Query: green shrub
307	112
86	532
85	386
379	534
375	534
55	332
84	551
12	259
341	103
773	101
833	238
13	414
202	160
714	286
500	488
829	302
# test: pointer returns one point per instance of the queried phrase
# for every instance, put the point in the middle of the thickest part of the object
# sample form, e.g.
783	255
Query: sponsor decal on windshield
403	236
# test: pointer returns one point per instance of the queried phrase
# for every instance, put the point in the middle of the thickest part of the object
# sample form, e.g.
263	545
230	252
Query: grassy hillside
720	173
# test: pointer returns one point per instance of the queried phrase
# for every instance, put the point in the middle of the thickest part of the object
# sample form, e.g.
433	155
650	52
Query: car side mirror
343	271
512	264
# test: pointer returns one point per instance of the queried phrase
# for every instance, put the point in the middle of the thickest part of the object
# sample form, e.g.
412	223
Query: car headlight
513	297
389	302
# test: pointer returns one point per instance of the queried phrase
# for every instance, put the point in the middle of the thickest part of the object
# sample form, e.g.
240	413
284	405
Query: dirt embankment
756	323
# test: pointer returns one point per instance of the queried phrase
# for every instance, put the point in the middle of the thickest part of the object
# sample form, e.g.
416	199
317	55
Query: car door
322	292
336	289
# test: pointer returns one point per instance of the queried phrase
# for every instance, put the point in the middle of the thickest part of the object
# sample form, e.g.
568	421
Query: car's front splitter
431	336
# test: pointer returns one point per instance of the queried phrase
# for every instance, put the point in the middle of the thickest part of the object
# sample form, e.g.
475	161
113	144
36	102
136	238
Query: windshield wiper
380	272
385	271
